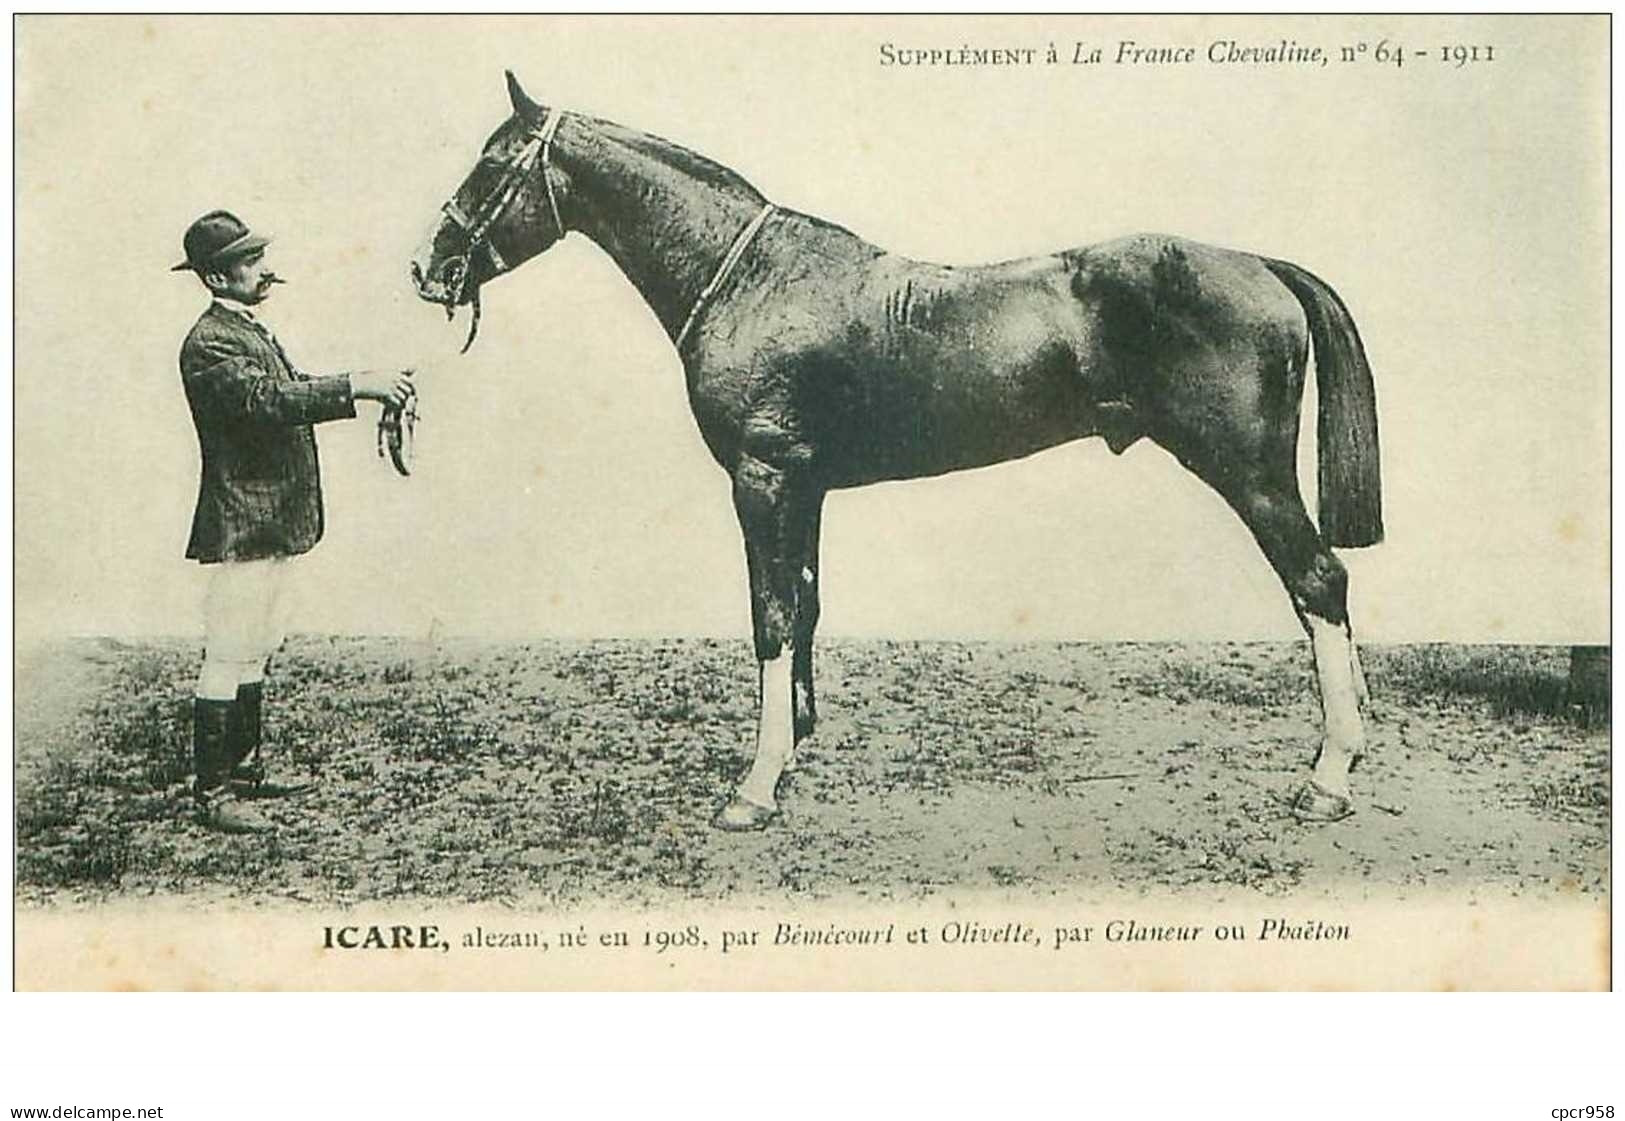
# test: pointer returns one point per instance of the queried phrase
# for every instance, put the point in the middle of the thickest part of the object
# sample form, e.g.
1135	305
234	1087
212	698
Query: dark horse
817	361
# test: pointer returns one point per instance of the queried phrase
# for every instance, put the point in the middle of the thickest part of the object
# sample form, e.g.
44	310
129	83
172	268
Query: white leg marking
1345	737
1362	692
775	734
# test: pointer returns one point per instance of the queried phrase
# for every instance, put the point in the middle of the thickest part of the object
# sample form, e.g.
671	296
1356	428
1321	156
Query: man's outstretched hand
391	387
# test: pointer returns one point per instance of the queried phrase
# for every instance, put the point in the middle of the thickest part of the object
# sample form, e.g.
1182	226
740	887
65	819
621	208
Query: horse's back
1171	296
888	367
1176	288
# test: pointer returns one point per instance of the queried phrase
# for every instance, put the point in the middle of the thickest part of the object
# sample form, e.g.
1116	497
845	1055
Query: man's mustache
270	278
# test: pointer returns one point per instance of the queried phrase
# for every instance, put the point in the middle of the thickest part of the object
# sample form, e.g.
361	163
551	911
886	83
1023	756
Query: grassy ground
572	771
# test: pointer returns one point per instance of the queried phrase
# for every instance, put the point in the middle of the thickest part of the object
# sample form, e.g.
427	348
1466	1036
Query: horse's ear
522	104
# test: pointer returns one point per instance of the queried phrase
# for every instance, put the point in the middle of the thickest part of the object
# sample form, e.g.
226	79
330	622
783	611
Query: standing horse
816	361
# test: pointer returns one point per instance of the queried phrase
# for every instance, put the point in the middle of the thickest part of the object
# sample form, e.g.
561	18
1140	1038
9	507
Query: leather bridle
477	227
534	155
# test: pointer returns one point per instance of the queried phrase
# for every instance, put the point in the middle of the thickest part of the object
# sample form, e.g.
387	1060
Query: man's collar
234	306
242	311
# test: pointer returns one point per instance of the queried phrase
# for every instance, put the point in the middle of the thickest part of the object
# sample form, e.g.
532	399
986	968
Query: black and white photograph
812	502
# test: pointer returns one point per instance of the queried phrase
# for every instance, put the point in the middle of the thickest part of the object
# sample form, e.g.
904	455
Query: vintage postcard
1061	502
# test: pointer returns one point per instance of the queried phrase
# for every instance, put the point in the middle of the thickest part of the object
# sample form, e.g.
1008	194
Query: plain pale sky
563	487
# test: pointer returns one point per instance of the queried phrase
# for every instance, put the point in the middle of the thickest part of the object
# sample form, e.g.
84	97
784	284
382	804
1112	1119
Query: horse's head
504	213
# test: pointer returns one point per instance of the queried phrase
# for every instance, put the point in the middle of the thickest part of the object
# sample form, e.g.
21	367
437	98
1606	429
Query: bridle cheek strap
538	149
549	129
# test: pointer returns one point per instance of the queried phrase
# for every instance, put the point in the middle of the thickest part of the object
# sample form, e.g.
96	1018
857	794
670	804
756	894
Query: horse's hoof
1315	803
740	816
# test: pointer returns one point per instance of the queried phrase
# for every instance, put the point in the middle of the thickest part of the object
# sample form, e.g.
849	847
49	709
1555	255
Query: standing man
259	505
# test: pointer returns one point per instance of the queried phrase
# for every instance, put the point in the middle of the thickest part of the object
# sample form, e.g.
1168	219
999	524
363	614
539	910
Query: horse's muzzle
437	289
451	288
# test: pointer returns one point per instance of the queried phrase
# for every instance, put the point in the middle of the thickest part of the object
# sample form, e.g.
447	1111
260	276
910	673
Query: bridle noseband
537	149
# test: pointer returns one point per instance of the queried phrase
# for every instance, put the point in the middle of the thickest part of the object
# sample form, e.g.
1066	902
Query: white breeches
245	618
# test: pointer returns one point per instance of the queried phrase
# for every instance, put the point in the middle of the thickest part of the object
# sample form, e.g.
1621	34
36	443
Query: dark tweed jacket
261	493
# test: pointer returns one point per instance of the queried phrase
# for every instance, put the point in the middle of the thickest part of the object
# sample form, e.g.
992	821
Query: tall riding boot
212	758
248	766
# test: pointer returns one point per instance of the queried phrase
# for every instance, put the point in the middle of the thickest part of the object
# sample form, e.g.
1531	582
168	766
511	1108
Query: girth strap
735	251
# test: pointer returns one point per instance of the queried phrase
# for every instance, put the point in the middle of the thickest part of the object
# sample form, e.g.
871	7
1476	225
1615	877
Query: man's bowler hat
216	238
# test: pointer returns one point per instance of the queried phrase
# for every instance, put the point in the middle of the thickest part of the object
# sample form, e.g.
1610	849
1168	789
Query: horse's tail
1350	470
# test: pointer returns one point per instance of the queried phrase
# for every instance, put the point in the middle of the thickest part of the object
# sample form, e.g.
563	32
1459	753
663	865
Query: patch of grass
78	806
1558	797
1182	680
582	771
1512	680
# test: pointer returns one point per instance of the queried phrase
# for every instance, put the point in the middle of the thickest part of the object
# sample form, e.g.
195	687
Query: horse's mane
706	170
702	168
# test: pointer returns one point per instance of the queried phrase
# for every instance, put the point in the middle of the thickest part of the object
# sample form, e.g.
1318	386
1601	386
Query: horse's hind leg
1252	466
1317	583
1362	691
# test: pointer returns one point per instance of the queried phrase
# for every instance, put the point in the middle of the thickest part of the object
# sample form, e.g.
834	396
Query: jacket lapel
253	329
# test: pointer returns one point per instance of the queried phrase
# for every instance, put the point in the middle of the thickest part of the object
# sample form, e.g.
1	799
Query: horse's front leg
806	622
773	510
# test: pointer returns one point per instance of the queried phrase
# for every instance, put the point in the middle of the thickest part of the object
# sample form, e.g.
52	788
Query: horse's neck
666	226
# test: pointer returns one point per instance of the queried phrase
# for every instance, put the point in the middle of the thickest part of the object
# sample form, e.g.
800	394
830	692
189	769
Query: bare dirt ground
571	772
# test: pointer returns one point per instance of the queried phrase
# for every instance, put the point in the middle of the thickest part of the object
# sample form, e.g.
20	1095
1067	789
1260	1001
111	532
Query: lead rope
735	251
473	321
397	426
